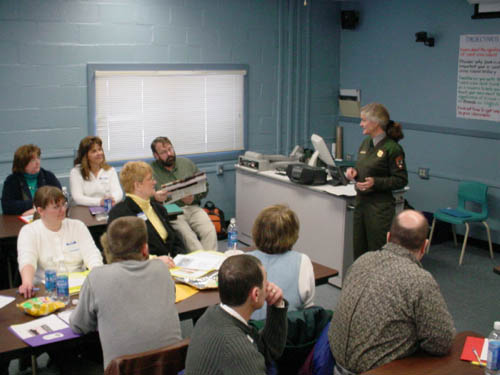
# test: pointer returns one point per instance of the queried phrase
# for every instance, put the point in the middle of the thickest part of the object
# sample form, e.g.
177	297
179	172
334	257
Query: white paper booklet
200	260
179	189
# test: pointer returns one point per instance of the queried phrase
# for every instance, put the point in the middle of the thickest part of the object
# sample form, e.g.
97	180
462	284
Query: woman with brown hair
92	180
53	237
274	232
27	176
380	168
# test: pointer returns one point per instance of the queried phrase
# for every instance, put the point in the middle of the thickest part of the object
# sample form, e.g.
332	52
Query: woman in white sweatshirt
92	180
53	238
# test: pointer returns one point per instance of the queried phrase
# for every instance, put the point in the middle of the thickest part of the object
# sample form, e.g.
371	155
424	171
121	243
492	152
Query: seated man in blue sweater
222	341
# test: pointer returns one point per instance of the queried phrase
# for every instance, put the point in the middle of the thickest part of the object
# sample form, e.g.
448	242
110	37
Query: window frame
196	158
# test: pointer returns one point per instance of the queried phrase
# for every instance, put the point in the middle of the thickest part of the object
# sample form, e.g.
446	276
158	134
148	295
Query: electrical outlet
220	169
349	157
423	173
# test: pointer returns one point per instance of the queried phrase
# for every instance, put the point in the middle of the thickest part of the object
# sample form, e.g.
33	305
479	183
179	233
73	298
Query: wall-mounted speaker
349	19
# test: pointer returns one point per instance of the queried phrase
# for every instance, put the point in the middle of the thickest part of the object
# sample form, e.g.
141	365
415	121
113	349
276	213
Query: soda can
107	204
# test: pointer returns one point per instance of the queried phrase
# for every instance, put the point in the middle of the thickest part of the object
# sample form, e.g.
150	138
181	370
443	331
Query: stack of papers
198	269
76	280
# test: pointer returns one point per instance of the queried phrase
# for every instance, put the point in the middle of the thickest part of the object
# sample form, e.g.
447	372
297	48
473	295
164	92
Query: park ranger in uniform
380	169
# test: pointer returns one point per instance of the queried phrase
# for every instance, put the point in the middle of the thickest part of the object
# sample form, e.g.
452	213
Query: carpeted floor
472	292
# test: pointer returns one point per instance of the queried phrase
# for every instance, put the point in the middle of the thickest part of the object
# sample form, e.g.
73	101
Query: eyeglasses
166	151
57	207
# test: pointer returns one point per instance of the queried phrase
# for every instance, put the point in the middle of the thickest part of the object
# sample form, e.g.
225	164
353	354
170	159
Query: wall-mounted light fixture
421	36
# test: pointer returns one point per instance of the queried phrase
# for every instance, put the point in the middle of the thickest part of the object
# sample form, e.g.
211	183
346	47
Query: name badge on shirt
142	215
362	152
72	246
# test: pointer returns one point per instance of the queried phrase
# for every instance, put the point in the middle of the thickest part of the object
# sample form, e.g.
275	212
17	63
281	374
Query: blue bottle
232	235
50	278
493	363
62	282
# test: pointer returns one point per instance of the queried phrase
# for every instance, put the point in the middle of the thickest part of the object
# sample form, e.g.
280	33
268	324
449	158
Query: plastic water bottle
108	202
62	282
493	364
67	197
50	278
232	235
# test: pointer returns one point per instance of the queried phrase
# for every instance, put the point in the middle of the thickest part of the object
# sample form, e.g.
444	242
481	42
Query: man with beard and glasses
194	225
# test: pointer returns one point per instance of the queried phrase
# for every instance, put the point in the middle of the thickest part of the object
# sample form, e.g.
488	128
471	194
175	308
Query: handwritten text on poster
478	86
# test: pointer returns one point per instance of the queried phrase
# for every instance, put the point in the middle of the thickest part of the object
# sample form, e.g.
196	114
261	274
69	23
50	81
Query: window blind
200	111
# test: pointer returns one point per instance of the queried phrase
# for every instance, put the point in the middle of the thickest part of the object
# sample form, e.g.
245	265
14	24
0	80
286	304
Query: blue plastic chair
468	191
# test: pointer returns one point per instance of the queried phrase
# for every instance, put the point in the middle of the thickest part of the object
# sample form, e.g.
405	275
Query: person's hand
31	211
351	173
161	195
167	260
188	200
26	289
274	294
368	184
113	202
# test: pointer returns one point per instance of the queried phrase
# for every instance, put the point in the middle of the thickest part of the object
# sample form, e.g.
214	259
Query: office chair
168	360
468	191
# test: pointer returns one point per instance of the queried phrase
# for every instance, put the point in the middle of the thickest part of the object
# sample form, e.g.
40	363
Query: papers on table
183	291
43	331
200	260
76	280
64	315
5	300
198	269
179	189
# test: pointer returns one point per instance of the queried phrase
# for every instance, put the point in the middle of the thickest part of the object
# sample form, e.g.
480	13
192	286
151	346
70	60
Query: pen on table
479	363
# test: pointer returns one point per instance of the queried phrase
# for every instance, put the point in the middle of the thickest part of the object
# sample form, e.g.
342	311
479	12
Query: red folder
470	344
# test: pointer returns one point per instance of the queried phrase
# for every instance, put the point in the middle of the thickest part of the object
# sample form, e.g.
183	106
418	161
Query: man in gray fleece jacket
222	341
131	301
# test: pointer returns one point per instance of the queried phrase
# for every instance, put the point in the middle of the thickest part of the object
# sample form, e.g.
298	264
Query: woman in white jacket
92	180
53	238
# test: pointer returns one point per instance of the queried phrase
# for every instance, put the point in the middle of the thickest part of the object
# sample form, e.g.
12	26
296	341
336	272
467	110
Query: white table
325	214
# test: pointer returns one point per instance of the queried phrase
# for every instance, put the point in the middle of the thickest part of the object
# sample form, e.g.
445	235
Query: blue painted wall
45	45
418	85
298	58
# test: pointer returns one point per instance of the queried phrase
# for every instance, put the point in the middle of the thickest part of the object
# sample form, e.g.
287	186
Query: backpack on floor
217	216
